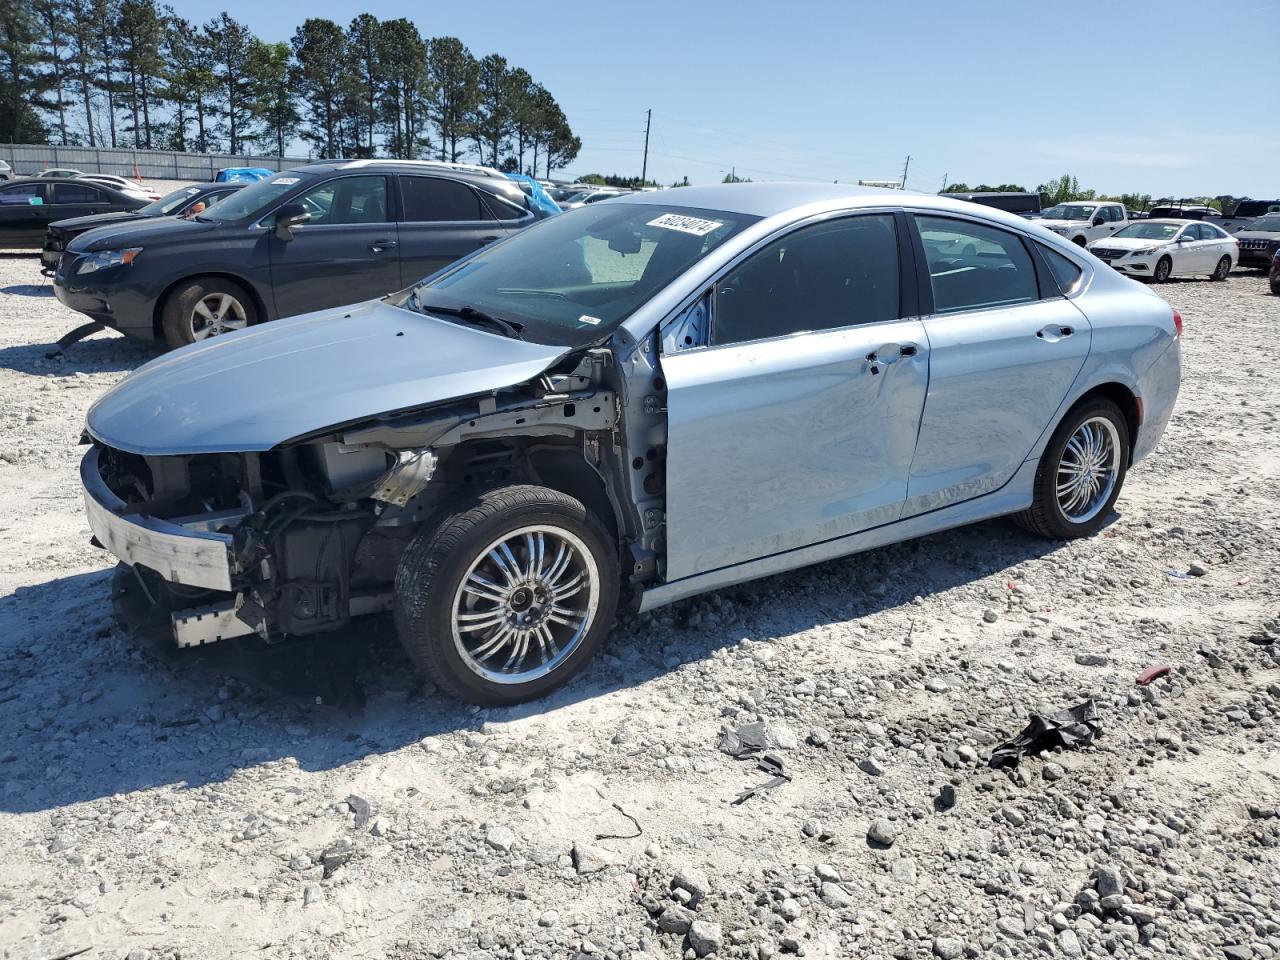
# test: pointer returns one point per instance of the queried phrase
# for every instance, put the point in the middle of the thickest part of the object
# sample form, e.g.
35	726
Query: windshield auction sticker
589	321
286	181
674	221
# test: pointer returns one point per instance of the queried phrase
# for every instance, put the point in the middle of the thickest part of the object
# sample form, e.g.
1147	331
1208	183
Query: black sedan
29	205
309	238
185	201
1260	241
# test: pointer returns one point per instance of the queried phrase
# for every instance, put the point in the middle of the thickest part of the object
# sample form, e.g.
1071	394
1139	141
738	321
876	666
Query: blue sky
1127	97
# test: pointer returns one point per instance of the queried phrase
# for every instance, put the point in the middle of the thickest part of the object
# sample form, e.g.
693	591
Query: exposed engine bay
315	528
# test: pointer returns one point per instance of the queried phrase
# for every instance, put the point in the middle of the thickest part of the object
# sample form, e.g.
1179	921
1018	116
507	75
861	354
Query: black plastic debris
360	807
770	764
744	741
748	742
1071	728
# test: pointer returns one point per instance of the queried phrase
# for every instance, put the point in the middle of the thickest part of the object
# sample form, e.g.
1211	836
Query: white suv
1083	222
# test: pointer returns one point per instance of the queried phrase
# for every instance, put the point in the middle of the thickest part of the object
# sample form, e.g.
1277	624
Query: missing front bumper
181	554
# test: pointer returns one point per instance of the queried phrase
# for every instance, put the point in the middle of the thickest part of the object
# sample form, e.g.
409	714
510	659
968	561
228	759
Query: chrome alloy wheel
525	604
1088	469
217	313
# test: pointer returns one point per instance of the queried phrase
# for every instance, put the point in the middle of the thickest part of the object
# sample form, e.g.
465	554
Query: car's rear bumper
188	553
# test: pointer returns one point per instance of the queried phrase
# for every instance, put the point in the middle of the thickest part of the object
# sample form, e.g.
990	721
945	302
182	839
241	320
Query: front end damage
300	538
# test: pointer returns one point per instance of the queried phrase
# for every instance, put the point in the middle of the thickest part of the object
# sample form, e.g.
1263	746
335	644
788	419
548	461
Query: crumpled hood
251	390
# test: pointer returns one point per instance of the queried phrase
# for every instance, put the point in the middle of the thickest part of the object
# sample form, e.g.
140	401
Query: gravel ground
314	801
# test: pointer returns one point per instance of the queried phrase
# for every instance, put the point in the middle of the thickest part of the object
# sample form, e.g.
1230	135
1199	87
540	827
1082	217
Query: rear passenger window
77	193
1064	271
972	266
822	277
432	199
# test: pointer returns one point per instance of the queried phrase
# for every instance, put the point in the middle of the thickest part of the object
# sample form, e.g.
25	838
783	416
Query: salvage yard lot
314	800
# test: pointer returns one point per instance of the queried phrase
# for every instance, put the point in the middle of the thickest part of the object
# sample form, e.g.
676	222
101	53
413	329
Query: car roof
765	199
1179	221
474	175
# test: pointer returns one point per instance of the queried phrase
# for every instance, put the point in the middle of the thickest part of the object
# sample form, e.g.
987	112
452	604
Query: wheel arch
157	312
1124	398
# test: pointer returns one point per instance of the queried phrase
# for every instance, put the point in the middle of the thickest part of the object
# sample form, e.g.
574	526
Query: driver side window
823	277
347	200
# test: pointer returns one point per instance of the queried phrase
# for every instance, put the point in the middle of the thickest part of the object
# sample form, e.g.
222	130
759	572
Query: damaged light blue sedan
629	404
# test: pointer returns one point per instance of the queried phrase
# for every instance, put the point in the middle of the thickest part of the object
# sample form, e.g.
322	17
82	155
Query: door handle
379	245
1054	332
889	353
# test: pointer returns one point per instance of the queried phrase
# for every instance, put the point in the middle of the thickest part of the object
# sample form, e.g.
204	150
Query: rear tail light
1177	324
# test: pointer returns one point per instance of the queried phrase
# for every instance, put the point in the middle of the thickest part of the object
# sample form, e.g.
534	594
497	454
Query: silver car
630	404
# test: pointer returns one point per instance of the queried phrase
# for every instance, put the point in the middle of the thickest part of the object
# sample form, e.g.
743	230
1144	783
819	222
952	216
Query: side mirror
1098	221
1186	238
288	217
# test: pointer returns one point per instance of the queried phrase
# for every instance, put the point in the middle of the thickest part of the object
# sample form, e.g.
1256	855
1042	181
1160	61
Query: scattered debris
1153	673
744	741
771	764
1071	728
360	807
622	836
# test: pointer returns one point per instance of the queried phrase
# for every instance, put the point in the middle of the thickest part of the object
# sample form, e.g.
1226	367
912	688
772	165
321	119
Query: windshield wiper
472	315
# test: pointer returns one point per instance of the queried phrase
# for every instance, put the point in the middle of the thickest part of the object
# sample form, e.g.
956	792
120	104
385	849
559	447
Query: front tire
508	596
205	307
1164	267
1080	473
1221	270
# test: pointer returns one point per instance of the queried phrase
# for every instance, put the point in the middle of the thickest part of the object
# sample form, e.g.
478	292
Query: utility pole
944	184
905	167
644	167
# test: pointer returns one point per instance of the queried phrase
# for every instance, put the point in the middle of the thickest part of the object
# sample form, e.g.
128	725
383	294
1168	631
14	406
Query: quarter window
348	200
822	277
972	266
432	199
1065	272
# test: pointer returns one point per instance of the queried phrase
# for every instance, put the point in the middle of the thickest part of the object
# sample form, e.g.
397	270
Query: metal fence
28	159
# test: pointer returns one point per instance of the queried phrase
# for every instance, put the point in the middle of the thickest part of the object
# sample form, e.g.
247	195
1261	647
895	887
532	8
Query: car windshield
1270	223
1069	211
169	202
253	199
572	279
1149	231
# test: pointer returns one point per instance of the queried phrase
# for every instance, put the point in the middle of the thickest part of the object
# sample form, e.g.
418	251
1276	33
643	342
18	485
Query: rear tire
508	595
204	307
1081	473
1221	271
1163	268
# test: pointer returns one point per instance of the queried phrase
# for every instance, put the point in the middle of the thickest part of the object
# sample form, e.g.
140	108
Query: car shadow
101	353
29	289
88	711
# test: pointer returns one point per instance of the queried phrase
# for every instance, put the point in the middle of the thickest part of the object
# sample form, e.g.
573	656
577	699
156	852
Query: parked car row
183	202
